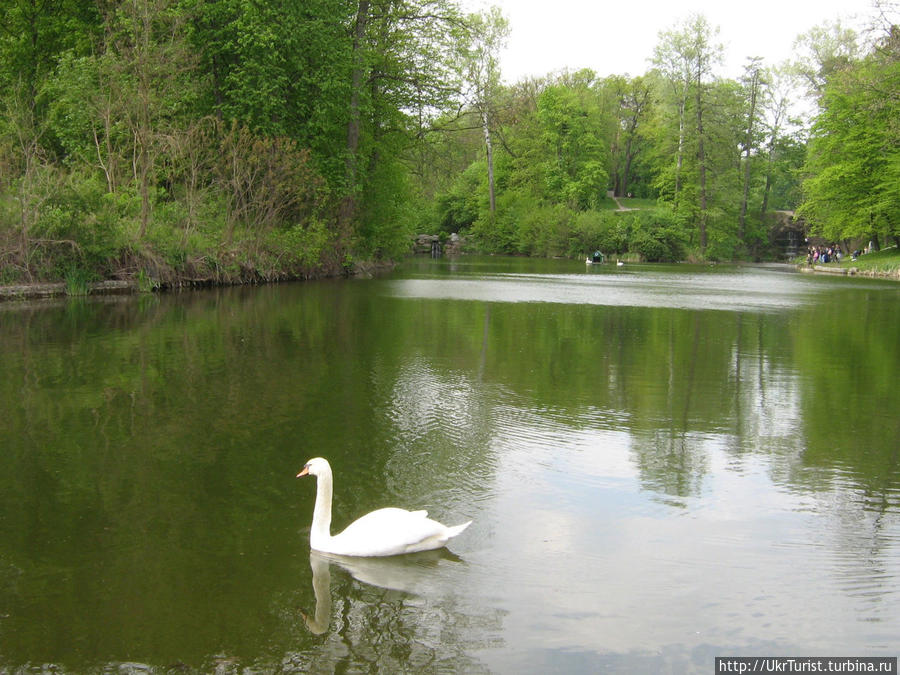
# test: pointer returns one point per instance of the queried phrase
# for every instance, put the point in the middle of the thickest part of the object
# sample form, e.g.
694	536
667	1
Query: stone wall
430	244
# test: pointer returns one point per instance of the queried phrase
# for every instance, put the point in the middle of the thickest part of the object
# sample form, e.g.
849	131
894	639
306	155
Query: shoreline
893	275
38	290
59	289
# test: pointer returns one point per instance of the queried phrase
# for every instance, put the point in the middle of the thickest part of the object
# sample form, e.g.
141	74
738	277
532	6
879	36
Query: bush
657	236
78	225
500	232
544	231
459	207
607	231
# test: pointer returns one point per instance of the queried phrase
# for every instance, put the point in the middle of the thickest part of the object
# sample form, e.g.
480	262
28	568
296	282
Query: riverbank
54	290
884	264
39	290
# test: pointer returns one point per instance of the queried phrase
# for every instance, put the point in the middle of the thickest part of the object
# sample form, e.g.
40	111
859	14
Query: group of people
832	253
823	254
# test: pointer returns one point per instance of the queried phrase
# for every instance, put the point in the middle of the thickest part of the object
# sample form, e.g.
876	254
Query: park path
619	204
612	195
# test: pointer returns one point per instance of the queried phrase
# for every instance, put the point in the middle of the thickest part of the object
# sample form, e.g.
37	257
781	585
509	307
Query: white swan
383	532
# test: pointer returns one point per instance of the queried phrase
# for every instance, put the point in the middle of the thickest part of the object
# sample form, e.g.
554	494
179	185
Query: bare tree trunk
770	163
680	161
490	159
348	204
768	188
701	157
748	141
629	155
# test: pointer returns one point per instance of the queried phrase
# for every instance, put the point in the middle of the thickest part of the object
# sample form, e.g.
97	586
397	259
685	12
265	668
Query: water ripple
736	291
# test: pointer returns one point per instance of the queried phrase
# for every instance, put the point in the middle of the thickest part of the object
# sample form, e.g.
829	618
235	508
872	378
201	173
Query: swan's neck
321	524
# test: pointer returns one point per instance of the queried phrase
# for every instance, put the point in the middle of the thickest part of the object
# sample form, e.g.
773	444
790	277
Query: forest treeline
190	140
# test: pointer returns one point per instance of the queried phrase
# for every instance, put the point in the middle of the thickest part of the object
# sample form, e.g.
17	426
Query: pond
663	464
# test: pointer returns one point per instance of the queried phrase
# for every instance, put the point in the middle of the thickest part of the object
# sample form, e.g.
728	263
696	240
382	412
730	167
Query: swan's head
315	467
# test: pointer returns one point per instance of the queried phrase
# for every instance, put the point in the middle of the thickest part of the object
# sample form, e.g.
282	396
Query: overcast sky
618	37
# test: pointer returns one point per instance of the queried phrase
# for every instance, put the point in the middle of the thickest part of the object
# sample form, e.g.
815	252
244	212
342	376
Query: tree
824	50
777	96
853	162
150	64
576	147
634	98
686	57
671	56
489	32
752	83
34	33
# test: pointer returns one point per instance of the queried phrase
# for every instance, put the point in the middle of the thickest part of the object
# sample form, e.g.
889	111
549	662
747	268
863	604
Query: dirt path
619	204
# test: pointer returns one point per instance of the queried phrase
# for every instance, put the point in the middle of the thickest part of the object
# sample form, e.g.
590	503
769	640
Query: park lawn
638	203
885	261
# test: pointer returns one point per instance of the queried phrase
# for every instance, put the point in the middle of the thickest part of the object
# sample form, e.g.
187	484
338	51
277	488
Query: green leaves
853	163
575	148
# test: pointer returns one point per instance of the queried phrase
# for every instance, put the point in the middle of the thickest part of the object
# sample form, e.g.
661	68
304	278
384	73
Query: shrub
657	236
607	231
459	206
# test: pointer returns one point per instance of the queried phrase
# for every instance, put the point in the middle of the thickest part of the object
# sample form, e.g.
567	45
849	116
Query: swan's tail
457	529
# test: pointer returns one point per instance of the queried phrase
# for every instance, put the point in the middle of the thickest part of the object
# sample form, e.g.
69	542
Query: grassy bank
884	263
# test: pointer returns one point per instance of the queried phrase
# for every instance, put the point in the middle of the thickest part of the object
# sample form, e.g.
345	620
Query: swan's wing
389	532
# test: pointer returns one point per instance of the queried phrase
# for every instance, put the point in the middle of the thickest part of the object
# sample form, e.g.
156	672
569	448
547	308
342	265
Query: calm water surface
663	465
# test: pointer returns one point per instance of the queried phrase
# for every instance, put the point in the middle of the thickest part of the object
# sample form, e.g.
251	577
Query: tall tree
752	82
151	64
671	56
822	51
489	33
574	142
634	97
703	56
687	56
777	96
853	162
34	33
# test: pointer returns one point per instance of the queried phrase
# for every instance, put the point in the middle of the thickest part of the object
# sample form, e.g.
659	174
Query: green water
663	465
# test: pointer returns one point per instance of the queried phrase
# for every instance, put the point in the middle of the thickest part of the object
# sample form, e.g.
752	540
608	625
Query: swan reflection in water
413	573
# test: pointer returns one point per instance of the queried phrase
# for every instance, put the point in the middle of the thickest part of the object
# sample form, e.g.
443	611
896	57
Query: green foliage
606	231
77	280
499	232
387	217
215	140
544	231
458	207
853	164
576	158
657	236
212	140
81	226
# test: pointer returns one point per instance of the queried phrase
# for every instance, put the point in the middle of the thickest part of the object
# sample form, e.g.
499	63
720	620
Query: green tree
853	163
489	33
635	98
33	35
777	96
752	83
576	147
686	57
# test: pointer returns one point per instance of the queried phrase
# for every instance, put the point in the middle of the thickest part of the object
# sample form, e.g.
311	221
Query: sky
618	37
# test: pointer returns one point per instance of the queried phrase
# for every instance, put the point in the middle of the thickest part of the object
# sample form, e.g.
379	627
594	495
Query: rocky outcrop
431	244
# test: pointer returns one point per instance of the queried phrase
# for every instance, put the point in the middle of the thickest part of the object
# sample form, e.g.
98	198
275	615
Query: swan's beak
303	472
